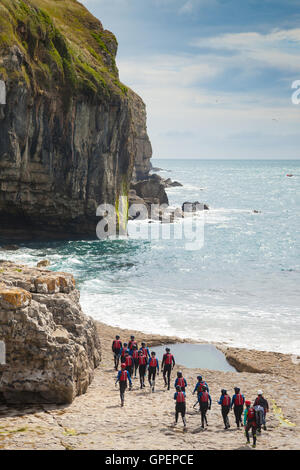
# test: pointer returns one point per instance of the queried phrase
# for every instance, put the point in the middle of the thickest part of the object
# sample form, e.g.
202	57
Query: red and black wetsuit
238	401
122	378
181	383
180	406
153	367
203	401
225	408
167	363
251	424
129	364
135	357
116	348
142	369
132	344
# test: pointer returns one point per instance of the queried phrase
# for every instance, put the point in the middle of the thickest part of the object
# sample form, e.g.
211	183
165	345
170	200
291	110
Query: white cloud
167	70
178	102
279	49
190	6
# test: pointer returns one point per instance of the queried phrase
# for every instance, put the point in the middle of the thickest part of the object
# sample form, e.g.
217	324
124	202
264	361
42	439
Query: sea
231	275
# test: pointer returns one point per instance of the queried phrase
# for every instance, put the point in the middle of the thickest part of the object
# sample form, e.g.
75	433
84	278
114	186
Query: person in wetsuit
168	363
129	363
123	351
180	380
199	387
225	407
153	367
116	348
250	422
132	343
180	407
145	350
142	368
135	357
122	377
261	401
204	399
237	403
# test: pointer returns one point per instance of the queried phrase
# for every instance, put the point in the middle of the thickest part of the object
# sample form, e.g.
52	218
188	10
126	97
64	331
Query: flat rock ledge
52	348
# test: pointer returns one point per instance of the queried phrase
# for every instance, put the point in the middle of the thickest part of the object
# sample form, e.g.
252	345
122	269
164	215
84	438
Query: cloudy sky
216	75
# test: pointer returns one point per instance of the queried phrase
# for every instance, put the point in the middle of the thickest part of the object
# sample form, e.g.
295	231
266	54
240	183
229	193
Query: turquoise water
196	356
241	287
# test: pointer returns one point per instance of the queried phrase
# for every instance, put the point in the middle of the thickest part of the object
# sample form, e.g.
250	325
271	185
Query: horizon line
227	159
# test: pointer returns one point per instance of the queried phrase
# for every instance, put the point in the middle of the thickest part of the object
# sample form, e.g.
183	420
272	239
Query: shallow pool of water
196	356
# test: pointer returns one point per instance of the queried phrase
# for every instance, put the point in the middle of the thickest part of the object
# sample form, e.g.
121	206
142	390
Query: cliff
72	136
52	348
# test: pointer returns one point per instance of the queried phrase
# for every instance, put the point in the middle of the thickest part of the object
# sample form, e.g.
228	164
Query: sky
216	75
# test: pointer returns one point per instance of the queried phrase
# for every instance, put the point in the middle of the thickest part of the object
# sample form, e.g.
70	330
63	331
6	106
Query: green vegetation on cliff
66	49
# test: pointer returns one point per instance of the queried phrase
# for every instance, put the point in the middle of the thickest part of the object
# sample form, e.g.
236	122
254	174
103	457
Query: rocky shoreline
94	420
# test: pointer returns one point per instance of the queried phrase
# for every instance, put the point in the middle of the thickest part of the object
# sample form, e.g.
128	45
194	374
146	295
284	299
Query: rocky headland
72	136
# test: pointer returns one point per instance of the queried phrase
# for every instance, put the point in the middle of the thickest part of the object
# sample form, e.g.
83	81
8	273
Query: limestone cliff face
52	348
71	135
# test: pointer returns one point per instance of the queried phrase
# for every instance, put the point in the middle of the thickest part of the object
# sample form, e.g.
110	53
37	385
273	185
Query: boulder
168	183
44	263
152	189
52	348
9	247
194	206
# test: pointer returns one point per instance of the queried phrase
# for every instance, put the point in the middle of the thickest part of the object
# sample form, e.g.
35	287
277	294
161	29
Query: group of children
133	359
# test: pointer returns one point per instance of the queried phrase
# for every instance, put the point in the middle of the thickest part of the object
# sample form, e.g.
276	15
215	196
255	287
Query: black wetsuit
123	386
136	365
180	408
225	410
130	368
203	410
205	403
116	352
238	408
251	424
142	371
167	368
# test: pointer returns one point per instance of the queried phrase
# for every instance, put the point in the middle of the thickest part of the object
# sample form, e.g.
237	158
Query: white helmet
260	392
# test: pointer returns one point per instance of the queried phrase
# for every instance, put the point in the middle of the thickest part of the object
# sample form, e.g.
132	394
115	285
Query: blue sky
216	75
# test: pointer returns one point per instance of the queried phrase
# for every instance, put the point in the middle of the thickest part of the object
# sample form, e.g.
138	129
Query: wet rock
194	206
10	247
43	263
171	184
152	189
52	348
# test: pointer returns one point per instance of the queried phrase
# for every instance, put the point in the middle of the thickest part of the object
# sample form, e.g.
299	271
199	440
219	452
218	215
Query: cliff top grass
65	47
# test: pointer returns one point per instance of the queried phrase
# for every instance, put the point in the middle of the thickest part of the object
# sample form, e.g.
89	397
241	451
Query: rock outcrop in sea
52	348
72	136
